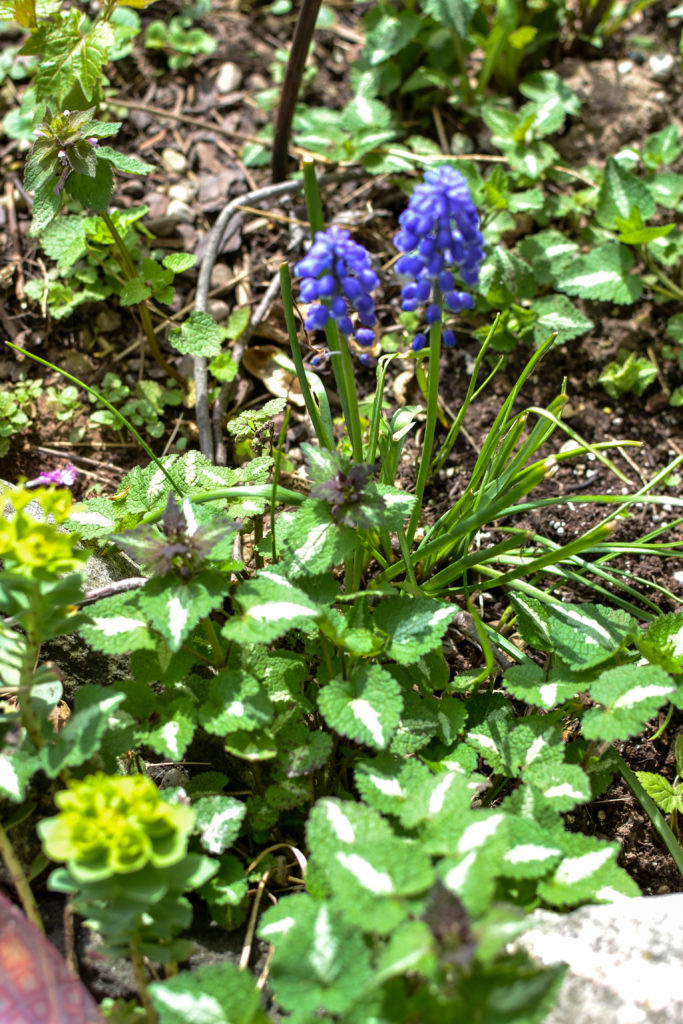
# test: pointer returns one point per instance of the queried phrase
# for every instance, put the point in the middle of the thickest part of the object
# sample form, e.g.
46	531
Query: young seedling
667	795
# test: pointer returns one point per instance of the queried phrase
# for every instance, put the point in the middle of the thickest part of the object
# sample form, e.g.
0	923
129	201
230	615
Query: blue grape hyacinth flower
337	278
439	238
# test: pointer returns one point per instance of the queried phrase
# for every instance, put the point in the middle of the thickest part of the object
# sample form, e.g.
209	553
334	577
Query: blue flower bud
439	237
337	275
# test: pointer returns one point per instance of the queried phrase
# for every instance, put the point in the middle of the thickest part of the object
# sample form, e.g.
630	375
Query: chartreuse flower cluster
28	546
439	237
111	825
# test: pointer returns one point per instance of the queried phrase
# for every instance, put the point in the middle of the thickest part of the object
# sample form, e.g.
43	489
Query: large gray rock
624	960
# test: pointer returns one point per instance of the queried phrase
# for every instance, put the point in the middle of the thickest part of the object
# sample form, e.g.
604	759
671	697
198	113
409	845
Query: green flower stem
141	982
130	272
21	882
297	359
342	366
100	398
430	425
28	664
314	206
277	459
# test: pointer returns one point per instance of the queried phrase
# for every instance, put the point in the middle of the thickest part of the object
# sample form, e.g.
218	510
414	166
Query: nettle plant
406	817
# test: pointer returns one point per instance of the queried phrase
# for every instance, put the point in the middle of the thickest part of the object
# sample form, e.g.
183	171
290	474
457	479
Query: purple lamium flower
439	236
65	477
337	278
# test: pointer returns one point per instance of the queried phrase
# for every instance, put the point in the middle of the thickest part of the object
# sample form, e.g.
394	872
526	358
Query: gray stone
661	66
173	162
219	310
184	191
624	960
180	212
229	77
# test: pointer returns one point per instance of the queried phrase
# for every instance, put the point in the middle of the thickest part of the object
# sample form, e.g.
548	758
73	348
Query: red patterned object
36	984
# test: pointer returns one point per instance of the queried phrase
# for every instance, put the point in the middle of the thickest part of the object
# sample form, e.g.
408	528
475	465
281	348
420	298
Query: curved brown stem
303	33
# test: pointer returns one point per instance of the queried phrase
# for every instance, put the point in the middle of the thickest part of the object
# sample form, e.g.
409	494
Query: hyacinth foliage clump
441	250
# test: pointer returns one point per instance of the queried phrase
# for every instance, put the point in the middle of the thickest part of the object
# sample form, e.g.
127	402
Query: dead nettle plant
405	818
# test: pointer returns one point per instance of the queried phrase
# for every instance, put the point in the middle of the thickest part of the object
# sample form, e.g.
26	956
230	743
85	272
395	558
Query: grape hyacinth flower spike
439	238
337	278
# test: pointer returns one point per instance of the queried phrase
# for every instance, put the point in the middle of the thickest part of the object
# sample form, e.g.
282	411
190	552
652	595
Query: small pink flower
65	477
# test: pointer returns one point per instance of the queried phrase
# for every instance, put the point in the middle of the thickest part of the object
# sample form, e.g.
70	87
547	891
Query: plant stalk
20	881
430	425
145	317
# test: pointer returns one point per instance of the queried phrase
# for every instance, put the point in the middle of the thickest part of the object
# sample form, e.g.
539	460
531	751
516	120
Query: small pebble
661	66
108	320
180	212
173	162
624	66
221	276
218	309
257	82
229	77
185	191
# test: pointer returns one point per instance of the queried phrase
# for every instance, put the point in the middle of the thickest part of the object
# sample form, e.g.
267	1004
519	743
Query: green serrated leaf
454	14
218	819
81	736
125	162
46	206
270	606
64	241
321	961
69	55
585	635
173	735
413	626
549	253
179	261
16	771
528	682
314	541
631	695
93	192
221	993
134	291
663	642
174	607
235	702
199	335
660	789
588	871
602	274
556	314
365	708
561	785
367	867
619	193
117	626
388	782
